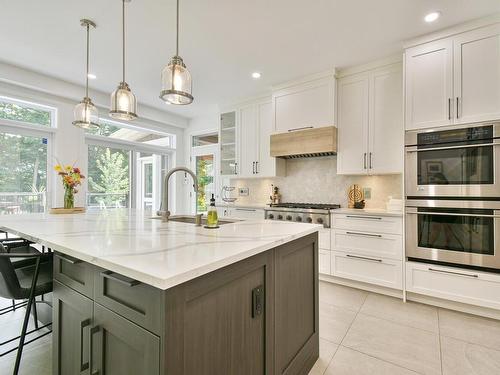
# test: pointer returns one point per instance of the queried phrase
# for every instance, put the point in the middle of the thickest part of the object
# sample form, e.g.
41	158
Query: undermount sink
189	219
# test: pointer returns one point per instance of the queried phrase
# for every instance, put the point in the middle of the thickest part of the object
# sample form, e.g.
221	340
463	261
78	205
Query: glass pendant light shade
123	103
176	83
86	115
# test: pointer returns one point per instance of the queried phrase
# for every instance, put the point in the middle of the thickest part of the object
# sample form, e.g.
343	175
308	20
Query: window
126	166
205	139
25	112
129	133
108	177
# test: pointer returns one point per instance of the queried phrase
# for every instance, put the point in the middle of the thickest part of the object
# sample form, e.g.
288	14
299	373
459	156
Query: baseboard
363	286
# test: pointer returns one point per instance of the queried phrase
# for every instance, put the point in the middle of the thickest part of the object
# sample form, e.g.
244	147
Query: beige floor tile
462	358
412	314
405	346
326	351
341	296
334	322
470	328
350	362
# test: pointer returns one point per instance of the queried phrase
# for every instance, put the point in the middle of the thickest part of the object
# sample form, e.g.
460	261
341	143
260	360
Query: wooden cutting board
61	210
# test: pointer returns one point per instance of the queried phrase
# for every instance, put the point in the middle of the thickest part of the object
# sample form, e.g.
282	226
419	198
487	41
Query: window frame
134	148
26	103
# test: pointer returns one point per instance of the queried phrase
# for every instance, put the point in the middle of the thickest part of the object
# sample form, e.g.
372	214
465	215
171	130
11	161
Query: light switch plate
243	192
367	193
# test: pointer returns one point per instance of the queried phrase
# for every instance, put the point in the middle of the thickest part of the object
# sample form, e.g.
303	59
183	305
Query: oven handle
449	214
452	147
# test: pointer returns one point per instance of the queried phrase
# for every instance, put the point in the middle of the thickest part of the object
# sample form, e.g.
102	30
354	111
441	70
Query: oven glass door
462	230
456	166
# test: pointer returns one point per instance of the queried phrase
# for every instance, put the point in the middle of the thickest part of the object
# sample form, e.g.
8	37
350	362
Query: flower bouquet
71	178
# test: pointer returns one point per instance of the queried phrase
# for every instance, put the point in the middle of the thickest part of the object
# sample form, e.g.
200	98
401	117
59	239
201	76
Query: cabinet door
248	141
385	134
310	104
297	335
429	85
119	347
72	314
352	125
222	323
228	144
477	75
266	164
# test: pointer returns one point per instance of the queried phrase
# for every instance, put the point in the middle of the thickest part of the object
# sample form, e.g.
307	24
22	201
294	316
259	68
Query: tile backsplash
315	180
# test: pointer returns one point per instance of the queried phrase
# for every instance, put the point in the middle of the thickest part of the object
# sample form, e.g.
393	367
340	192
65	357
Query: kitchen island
135	295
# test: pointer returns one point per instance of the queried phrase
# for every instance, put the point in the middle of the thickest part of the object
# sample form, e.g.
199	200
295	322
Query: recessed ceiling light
91	76
431	17
256	75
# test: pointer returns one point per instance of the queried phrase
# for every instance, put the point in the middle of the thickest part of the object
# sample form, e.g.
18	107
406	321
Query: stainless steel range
313	213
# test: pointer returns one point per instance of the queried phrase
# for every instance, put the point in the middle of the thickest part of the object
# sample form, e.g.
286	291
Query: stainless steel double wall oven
453	195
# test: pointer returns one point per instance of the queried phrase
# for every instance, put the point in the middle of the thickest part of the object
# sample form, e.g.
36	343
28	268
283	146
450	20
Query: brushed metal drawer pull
245	209
364	234
68	259
364	217
119	278
83	324
364	258
454	273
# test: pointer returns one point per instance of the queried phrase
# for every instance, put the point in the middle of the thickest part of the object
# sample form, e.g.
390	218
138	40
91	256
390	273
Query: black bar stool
25	273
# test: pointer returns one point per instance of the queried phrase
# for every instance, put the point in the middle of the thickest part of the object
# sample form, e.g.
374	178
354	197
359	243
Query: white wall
68	141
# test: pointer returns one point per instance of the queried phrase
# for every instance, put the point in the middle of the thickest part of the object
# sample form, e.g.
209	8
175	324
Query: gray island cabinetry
256	316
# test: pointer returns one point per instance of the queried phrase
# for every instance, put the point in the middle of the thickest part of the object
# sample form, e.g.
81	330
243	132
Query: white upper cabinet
352	124
267	166
370	121
385	148
454	80
248	142
477	75
310	103
429	85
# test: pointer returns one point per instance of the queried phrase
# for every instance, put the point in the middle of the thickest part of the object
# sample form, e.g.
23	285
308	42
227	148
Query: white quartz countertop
367	211
161	254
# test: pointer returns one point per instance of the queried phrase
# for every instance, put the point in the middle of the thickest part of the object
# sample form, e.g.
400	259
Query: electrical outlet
243	192
367	193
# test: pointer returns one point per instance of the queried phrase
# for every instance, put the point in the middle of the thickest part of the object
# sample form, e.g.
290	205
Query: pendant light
85	112
175	77
123	102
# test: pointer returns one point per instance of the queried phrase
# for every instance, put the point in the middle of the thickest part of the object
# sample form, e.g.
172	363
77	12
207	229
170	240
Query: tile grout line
331	359
440	344
357	313
383	360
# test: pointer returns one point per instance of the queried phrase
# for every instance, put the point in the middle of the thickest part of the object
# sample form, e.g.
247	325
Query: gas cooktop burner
317	206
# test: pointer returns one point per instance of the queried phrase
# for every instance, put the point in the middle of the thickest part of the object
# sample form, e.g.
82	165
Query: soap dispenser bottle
212	219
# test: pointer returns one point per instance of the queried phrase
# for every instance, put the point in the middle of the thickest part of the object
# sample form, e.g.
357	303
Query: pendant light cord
123	41
87	75
177	37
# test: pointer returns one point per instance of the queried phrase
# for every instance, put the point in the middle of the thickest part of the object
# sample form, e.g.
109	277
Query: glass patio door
204	165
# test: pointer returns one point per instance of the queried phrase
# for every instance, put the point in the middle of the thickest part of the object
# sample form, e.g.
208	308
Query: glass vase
69	198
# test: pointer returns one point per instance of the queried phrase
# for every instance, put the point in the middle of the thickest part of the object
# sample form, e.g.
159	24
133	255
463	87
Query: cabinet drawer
324	239
368	223
370	244
324	261
74	273
466	286
379	271
138	302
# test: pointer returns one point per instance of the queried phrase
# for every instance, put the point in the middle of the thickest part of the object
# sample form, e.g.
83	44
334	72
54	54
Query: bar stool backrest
9	283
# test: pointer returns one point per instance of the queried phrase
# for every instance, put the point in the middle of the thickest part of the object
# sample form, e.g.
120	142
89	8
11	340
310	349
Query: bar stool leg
26	317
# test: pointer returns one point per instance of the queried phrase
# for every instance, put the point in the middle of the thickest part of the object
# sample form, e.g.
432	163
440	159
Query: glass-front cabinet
228	144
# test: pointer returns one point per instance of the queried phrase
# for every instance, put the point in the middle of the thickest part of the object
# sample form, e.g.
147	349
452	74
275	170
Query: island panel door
72	322
120	347
216	330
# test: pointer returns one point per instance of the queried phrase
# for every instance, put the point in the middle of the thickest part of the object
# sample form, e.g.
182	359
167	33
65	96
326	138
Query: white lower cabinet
379	271
369	244
455	284
324	261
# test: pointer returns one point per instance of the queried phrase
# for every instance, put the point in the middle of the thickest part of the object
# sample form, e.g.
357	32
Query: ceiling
222	41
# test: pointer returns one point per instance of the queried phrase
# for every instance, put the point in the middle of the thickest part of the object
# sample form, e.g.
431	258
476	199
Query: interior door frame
212	149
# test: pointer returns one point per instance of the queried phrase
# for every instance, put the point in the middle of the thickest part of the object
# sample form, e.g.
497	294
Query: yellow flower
58	168
69	168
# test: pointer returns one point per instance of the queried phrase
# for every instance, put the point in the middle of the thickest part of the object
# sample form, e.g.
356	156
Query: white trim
373	65
307	79
134	127
454	30
34	105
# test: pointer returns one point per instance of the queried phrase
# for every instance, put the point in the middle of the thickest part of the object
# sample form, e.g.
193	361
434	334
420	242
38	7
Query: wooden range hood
305	143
